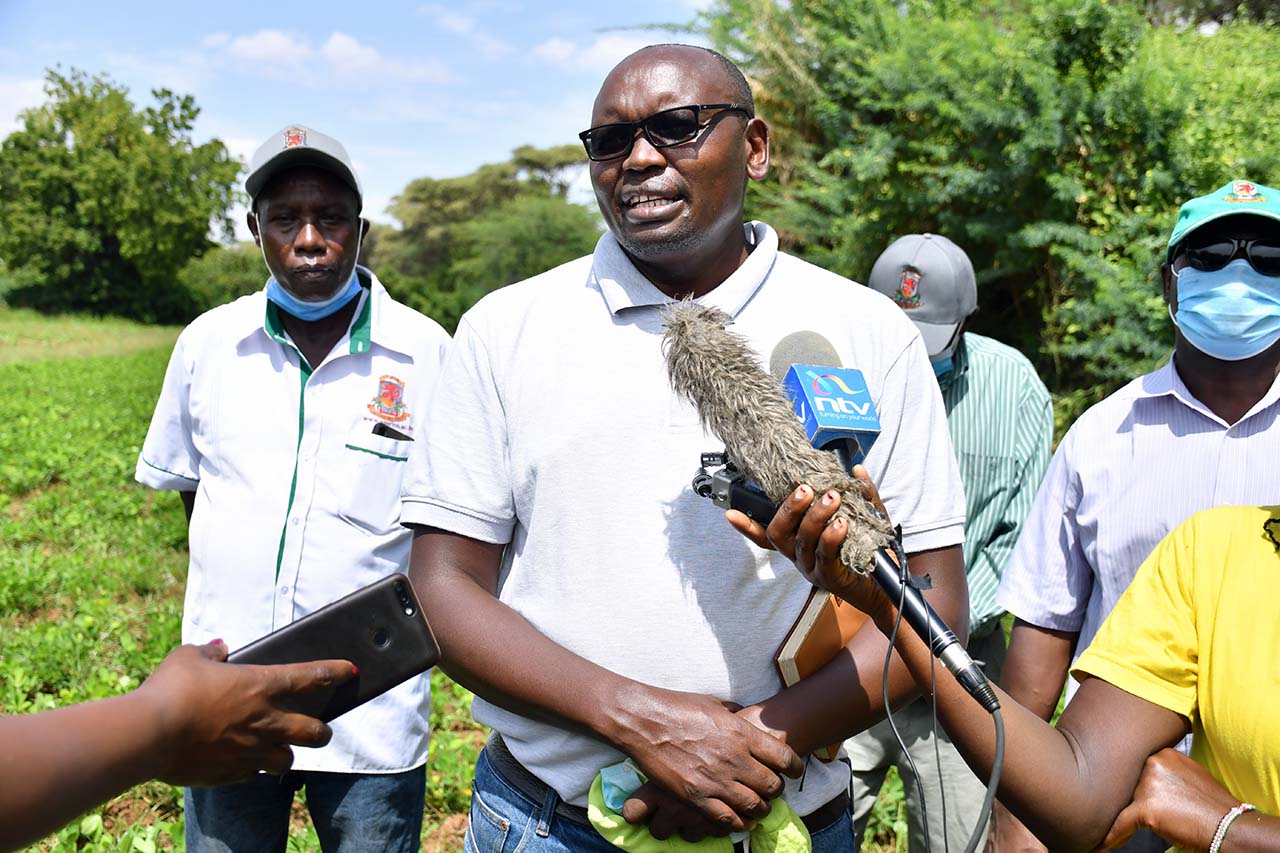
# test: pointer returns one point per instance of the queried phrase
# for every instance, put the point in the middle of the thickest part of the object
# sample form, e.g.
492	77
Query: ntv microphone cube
834	404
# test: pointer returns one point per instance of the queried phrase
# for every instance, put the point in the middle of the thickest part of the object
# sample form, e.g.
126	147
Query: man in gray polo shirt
598	607
1001	421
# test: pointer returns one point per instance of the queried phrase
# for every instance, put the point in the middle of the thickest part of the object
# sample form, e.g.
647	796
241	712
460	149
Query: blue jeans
503	820
352	812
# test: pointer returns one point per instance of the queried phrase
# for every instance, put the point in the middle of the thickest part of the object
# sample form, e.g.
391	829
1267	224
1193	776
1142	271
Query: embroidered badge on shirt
1243	191
294	137
908	295
389	403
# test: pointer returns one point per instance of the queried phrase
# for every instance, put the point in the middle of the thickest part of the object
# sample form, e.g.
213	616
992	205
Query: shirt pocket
373	466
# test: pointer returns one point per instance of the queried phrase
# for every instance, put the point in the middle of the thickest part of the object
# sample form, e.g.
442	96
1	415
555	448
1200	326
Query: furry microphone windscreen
737	400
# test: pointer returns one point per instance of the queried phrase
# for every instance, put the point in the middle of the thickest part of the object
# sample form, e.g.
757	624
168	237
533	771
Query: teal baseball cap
1235	198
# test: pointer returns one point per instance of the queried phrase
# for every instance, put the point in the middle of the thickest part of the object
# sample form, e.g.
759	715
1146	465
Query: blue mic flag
834	404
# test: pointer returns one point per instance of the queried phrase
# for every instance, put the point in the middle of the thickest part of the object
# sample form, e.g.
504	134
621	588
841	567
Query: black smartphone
380	628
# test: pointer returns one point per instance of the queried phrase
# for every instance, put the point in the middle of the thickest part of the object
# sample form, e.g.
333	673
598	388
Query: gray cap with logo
298	145
931	279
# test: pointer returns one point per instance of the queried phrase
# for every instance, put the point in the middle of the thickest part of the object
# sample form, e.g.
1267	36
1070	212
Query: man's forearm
1035	668
56	764
846	696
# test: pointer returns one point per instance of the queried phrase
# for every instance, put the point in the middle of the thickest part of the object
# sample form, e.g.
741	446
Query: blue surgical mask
308	311
942	366
1230	314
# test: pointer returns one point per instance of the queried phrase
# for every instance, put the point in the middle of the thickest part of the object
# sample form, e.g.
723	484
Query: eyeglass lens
1263	255
670	127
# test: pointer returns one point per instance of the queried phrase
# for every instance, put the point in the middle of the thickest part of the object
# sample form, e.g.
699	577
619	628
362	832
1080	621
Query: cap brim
936	335
291	158
1179	236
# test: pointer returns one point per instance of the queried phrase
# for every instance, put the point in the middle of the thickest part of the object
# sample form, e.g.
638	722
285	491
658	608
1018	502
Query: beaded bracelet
1225	824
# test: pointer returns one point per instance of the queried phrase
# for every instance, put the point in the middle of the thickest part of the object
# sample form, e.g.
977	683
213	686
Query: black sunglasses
663	129
1262	253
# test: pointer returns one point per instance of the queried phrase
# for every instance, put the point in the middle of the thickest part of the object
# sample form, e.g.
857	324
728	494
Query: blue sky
411	88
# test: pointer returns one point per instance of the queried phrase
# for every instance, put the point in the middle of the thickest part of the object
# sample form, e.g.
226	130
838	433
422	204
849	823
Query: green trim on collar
362	327
273	325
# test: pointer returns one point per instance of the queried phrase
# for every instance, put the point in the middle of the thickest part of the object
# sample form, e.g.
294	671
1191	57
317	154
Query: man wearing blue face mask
1001	422
1198	432
285	421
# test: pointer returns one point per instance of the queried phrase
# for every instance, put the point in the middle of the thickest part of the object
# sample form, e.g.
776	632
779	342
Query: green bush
1052	139
223	274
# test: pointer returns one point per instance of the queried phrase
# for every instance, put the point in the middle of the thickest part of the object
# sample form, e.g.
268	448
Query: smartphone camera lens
381	638
403	595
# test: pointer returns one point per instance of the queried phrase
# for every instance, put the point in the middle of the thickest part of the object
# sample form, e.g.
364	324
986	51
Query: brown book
825	626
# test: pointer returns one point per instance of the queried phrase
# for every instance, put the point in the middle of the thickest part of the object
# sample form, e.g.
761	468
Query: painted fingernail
218	642
355	670
829	498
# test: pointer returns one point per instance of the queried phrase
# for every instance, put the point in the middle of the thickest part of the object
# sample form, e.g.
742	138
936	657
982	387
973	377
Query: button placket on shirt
287	582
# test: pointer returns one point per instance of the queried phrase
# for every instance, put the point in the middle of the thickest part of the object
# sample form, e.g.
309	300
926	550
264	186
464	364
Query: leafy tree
1218	11
1052	139
101	203
222	274
463	237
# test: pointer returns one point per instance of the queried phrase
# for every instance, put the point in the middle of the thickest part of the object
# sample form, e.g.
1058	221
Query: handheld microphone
736	399
833	403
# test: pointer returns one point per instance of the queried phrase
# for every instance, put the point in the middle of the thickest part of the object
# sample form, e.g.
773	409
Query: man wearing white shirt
1197	433
285	421
596	605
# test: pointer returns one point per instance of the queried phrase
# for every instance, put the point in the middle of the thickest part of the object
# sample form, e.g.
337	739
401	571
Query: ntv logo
827	388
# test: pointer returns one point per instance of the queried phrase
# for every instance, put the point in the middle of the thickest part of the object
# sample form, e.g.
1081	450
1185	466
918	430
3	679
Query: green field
92	568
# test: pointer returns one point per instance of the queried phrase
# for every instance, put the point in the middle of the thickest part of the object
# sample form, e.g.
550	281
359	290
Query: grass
28	335
92	568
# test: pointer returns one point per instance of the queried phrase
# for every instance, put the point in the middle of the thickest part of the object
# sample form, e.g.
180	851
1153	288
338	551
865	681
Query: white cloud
344	50
456	23
17	94
599	56
449	20
271	48
555	50
350	55
341	59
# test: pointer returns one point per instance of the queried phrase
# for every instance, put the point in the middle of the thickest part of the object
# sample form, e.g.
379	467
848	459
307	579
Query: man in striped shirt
1196	433
1001	422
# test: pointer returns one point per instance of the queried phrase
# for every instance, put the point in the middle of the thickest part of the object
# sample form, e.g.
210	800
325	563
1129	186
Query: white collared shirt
1130	469
555	430
297	499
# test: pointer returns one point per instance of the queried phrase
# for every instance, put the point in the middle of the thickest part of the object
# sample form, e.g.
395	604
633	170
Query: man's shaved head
679	206
741	88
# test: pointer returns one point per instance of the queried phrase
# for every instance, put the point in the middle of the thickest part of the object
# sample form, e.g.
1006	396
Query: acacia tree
462	237
101	203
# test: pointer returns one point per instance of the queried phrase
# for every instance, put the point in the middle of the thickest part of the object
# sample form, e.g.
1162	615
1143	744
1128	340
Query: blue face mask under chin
1230	314
309	311
943	366
305	310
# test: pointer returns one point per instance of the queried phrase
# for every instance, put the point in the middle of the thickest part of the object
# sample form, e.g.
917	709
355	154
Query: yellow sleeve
1148	644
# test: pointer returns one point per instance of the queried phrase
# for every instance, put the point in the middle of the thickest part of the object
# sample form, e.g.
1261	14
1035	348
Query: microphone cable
993	783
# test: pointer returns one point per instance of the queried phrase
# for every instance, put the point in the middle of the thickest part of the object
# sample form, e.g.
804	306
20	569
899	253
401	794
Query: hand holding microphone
840	530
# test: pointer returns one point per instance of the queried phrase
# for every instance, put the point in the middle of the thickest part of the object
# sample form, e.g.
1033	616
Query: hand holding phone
379	628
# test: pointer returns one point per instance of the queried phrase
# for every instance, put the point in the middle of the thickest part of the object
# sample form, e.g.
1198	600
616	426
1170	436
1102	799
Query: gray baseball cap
931	279
298	145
